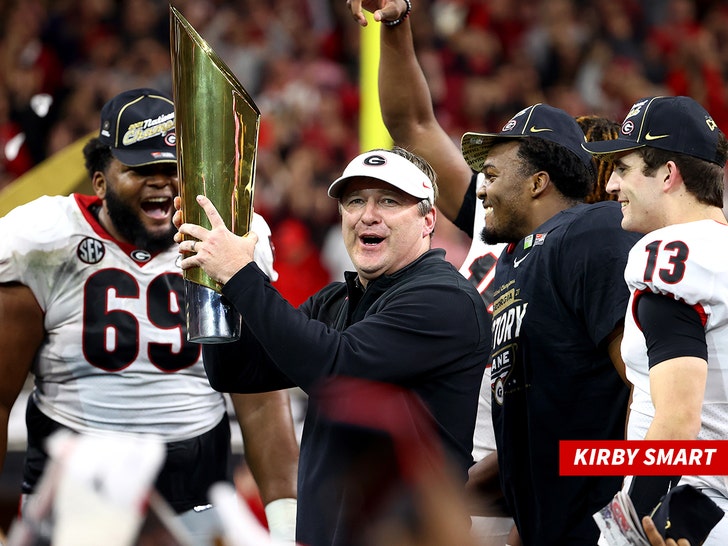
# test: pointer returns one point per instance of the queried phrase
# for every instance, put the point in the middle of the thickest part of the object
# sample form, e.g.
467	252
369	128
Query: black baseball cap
686	512
138	126
675	124
537	121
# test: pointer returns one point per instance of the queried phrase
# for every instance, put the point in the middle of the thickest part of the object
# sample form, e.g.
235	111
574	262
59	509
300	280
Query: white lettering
503	325
520	313
709	454
665	456
632	454
650	457
695	456
603	456
580	456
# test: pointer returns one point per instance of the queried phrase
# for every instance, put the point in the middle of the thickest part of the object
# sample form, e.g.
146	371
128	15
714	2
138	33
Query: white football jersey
115	356
688	262
479	268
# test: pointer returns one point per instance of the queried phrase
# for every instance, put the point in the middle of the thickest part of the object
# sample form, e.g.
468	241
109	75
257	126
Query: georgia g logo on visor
375	161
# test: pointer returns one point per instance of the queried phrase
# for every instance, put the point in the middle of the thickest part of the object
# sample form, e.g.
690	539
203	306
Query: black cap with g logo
138	126
536	121
675	124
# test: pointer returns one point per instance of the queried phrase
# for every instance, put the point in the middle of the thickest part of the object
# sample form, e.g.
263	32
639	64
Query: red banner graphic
643	458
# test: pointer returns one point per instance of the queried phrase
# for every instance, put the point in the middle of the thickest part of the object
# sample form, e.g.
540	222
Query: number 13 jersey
687	262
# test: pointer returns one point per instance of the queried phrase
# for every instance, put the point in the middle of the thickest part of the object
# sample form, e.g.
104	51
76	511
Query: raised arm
406	103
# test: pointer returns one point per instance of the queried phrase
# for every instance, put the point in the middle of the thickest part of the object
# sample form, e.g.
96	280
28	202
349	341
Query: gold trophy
217	141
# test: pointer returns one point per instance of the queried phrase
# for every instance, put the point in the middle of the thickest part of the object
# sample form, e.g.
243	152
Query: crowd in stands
60	60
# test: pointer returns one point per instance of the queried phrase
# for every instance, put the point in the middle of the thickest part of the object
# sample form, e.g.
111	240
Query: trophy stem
210	317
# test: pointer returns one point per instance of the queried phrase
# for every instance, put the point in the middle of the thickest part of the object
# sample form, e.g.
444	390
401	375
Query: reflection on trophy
217	140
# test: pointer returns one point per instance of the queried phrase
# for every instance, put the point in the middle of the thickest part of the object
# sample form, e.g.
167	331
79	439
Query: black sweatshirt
423	328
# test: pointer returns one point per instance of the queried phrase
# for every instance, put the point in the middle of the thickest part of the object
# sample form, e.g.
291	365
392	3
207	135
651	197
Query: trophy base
210	318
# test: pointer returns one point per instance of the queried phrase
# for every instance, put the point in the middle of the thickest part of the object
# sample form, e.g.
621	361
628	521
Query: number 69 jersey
115	356
687	262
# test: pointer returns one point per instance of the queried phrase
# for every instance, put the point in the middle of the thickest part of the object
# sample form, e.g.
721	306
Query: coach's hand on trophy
218	251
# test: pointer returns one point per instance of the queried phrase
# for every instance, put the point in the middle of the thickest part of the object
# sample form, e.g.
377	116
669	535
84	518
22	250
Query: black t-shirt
559	293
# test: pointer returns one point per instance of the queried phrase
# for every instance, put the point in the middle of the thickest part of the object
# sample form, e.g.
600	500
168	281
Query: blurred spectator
14	155
61	60
31	73
298	262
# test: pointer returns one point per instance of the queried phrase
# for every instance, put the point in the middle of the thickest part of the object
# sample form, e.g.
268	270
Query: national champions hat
675	124
138	126
387	167
539	121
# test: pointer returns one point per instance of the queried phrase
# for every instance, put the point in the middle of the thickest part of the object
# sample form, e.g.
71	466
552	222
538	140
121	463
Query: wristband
281	516
402	17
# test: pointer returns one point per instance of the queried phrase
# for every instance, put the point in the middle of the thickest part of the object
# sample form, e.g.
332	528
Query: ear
538	183
98	183
670	176
429	225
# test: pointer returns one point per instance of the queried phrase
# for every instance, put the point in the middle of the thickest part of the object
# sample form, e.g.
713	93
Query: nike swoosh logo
535	129
518	262
648	136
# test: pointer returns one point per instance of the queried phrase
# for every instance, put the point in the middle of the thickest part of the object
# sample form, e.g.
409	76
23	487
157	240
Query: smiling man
384	323
669	163
92	303
558	311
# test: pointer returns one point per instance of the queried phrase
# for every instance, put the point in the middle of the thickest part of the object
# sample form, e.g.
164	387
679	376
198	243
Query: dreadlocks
599	128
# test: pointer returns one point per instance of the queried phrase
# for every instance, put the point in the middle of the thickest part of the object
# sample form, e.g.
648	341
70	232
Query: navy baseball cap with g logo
686	512
138	126
537	121
675	124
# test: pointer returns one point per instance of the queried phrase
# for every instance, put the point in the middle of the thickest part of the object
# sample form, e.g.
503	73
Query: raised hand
382	10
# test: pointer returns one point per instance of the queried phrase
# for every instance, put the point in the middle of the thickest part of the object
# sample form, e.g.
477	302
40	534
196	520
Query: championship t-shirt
558	294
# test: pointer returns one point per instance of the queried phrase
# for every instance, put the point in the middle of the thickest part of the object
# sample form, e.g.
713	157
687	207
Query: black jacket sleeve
405	339
242	366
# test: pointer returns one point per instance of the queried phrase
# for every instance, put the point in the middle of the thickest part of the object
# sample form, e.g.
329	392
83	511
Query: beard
128	224
490	237
510	231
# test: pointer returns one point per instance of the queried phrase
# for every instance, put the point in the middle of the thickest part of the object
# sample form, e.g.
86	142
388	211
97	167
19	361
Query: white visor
387	167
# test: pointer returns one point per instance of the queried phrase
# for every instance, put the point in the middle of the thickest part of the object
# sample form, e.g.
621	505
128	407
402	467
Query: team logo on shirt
498	391
90	250
139	255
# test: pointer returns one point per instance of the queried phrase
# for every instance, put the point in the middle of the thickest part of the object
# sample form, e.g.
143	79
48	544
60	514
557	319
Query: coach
384	323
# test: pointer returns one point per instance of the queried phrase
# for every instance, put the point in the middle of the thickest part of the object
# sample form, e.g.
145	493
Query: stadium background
301	60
